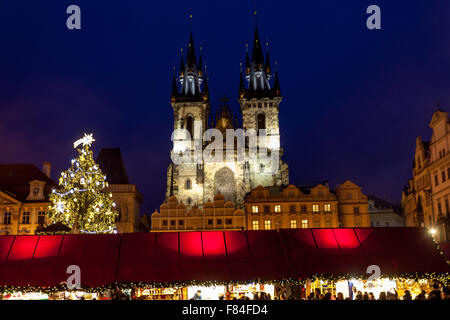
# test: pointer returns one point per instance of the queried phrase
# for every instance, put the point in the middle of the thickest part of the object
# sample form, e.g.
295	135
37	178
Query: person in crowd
435	294
330	291
421	296
365	296
198	295
371	296
317	294
359	296
340	296
269	297
221	296
311	296
446	293
407	295
382	296
327	296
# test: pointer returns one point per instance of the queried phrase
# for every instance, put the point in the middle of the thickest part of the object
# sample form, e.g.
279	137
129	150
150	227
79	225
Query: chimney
46	168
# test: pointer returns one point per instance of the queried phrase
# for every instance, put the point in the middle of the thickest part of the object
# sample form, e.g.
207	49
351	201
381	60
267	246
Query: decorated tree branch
81	202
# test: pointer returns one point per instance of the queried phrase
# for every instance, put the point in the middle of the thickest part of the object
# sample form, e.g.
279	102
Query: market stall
168	265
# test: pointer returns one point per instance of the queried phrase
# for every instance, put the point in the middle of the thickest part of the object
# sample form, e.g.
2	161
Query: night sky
354	99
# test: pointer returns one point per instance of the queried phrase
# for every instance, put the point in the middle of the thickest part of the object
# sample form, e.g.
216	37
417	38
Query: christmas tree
81	202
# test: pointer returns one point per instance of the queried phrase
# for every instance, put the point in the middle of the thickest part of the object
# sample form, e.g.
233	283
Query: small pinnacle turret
191	78
258	73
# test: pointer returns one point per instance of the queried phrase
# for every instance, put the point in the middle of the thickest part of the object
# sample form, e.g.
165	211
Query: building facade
306	206
384	214
353	206
24	202
425	200
127	197
219	214
196	182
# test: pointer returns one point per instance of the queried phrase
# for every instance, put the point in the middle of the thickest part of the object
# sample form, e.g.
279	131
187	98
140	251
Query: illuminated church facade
196	183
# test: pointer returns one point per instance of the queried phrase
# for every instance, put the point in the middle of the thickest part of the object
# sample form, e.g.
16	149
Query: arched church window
261	121
188	184
190	125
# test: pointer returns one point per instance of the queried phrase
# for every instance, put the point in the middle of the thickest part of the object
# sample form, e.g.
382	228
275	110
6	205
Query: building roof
15	180
224	256
112	165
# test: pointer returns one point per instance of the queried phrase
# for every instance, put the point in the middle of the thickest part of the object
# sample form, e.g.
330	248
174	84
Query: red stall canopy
225	256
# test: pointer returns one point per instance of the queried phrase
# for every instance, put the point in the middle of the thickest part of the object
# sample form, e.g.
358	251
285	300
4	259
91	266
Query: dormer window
36	190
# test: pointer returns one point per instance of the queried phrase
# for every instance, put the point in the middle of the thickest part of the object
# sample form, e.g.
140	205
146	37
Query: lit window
41	217
277	208
7	218
255	225
315	208
327	207
293	224
26	218
304	224
255	209
267	224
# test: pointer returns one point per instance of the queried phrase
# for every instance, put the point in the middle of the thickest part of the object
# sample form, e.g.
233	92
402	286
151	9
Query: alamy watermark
241	146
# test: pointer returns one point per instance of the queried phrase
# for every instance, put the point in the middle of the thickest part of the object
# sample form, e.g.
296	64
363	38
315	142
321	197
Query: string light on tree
81	202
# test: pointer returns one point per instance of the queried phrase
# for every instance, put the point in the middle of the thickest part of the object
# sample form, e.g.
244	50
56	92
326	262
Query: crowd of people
438	292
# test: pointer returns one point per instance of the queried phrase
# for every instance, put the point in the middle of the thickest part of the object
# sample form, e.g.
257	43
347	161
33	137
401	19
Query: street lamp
433	232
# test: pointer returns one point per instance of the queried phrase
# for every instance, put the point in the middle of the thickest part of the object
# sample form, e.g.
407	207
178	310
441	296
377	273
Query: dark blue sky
354	99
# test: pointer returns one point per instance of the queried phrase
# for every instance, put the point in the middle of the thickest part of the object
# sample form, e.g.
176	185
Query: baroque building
219	214
196	182
307	206
384	214
24	191
425	200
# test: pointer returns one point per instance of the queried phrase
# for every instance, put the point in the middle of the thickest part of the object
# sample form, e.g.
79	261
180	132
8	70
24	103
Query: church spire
257	54
191	76
258	73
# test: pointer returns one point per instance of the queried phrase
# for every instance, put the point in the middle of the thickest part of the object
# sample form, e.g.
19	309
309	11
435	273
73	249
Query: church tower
259	101
190	103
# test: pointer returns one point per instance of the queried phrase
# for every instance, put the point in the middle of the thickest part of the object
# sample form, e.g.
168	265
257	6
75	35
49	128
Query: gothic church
259	96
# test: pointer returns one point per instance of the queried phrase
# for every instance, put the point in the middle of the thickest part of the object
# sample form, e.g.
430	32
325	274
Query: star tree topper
86	140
